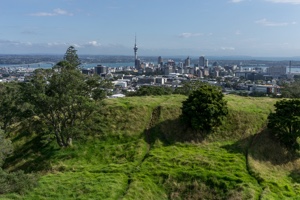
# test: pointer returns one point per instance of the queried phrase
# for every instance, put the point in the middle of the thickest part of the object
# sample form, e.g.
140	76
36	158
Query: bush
16	182
204	109
151	90
285	122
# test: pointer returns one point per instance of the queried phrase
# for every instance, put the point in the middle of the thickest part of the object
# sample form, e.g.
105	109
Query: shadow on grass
295	175
31	157
263	147
172	131
239	147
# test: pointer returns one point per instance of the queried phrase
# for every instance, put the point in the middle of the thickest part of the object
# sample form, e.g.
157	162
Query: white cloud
285	1
14	43
266	22
188	35
94	44
51	44
82	45
235	1
238	32
228	48
55	12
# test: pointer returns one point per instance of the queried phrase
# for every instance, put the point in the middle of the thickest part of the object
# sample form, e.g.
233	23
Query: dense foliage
5	147
188	87
151	90
291	90
204	108
10	106
15	181
62	99
72	57
285	122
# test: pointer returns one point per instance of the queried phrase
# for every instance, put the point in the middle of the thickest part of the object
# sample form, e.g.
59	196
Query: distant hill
141	150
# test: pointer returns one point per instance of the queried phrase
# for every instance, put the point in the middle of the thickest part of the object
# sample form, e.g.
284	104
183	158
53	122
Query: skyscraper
135	48
203	62
187	62
160	60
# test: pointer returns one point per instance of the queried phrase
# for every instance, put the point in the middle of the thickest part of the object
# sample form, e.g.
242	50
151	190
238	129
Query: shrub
16	182
204	109
285	122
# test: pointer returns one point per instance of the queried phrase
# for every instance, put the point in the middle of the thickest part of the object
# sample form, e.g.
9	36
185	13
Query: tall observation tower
135	49
136	60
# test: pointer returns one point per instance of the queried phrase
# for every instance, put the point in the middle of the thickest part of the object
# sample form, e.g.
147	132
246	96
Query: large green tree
10	107
72	57
63	98
285	122
204	109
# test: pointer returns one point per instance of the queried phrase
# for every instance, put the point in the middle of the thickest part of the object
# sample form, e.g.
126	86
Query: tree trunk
58	139
69	141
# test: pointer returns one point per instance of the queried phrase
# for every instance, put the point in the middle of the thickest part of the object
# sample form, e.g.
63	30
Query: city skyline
261	28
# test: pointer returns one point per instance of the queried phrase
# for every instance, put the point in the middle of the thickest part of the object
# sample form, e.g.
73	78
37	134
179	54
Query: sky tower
135	49
136	60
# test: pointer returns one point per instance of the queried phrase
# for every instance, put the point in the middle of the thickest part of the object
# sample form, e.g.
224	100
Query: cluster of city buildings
249	78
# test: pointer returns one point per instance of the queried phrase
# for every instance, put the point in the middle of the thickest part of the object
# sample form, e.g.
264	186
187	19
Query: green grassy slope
142	151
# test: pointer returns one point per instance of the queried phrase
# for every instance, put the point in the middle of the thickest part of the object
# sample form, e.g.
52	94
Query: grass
137	155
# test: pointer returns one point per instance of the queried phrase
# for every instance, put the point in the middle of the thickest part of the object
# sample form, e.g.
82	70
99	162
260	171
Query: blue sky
163	27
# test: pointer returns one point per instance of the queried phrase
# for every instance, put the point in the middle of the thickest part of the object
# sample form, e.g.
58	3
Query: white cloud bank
189	35
265	22
227	48
285	1
235	1
55	12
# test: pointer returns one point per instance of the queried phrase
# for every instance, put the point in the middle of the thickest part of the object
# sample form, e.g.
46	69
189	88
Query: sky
258	28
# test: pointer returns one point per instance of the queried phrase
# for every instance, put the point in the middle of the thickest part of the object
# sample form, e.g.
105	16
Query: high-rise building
99	69
187	62
160	60
276	71
135	48
203	62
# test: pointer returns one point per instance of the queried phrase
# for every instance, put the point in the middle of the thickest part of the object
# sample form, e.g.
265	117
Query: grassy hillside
142	151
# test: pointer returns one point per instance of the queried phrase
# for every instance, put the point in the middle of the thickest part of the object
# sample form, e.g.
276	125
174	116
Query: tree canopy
204	108
151	90
72	57
188	87
291	90
285	122
62	98
5	147
10	108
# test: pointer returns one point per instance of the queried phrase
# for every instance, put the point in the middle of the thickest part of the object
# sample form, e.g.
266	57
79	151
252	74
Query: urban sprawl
236	78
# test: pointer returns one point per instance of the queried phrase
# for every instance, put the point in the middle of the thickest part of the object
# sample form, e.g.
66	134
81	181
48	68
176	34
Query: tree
72	57
204	108
285	122
188	87
10	106
62	99
291	90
